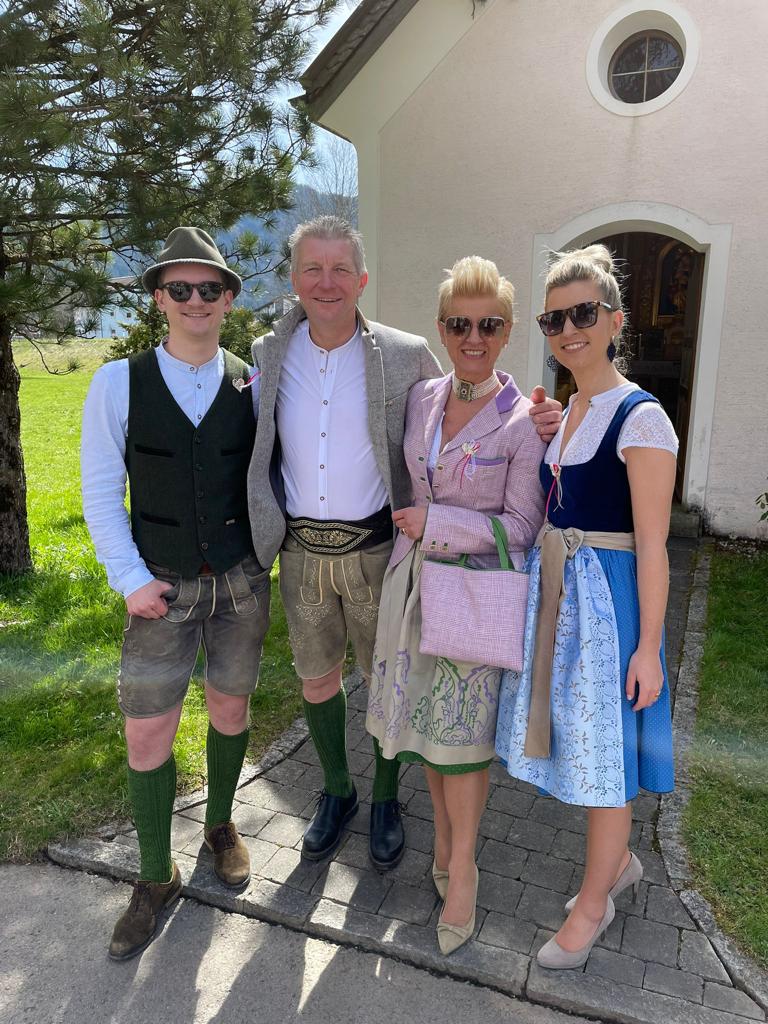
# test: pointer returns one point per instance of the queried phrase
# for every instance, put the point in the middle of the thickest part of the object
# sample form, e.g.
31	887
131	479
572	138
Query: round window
644	67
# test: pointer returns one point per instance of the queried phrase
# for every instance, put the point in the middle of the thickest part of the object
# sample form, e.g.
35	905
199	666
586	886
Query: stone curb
743	971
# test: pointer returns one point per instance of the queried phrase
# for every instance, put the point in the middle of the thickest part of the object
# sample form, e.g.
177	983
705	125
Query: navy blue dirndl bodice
595	494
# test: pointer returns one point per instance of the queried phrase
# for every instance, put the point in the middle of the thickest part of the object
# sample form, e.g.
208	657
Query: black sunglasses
460	327
583	314
181	291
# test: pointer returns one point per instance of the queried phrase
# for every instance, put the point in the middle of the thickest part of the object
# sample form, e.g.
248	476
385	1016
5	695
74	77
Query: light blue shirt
102	454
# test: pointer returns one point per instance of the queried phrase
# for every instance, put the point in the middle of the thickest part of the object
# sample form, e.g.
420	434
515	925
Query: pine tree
119	121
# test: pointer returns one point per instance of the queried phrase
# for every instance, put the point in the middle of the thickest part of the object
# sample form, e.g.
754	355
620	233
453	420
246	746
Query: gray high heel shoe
631	875
553	956
451	936
440	878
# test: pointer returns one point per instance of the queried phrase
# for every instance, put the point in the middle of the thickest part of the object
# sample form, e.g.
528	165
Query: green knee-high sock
385	778
225	756
328	728
152	794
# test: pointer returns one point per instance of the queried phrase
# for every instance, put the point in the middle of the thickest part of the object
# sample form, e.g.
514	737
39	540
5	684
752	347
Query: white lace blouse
646	426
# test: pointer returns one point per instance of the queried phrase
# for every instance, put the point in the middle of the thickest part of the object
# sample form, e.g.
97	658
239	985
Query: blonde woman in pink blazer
472	451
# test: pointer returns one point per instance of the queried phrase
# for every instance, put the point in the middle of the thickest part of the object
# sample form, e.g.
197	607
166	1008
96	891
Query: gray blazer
394	362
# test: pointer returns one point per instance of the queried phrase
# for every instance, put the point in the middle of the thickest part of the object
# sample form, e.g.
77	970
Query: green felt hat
190	245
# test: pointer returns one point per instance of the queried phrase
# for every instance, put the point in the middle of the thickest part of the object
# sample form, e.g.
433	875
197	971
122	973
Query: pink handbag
475	615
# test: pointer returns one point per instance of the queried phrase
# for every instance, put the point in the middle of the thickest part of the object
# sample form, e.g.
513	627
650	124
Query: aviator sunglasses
583	314
181	291
460	327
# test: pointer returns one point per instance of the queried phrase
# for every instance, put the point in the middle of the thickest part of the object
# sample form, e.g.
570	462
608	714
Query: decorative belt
338	536
556	547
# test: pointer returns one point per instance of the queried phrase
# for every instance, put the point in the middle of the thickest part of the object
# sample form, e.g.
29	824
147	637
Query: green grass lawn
726	823
60	629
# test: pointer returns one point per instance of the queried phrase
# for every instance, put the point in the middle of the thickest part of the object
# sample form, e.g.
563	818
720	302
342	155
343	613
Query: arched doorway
713	242
662	296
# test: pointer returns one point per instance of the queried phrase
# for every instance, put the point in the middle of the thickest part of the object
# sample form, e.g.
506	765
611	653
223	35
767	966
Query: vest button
204	545
201	494
199	468
198	440
202	519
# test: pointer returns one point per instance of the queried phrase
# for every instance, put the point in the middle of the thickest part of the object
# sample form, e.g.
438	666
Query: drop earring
611	353
552	363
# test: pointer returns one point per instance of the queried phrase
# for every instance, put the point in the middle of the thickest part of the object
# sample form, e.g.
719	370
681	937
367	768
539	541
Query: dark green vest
189	500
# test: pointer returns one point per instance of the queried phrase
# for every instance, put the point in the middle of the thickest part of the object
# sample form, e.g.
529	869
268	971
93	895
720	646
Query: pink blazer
500	477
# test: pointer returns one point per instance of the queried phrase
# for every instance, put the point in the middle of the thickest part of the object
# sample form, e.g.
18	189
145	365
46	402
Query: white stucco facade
490	136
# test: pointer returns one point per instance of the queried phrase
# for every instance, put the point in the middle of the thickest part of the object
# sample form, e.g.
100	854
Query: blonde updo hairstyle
592	263
474	277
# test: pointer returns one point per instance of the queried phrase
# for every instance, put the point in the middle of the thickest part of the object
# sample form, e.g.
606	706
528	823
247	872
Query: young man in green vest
177	424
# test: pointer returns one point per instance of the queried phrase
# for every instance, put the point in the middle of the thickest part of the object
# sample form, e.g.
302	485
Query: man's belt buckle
333	538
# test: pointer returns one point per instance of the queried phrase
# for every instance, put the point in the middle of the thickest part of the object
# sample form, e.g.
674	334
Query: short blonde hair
472	277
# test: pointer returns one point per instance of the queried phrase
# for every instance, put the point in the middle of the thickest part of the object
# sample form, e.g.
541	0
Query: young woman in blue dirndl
588	720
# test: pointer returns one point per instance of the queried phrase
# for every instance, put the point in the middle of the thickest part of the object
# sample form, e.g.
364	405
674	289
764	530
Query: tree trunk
15	556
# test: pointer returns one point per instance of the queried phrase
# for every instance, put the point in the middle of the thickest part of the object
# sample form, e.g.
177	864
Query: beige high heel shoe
451	936
440	878
553	956
631	875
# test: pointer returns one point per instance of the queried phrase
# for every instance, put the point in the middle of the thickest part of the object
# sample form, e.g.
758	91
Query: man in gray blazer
333	390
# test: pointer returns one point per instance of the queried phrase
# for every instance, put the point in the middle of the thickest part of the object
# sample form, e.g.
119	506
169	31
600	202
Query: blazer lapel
432	408
374	386
487	419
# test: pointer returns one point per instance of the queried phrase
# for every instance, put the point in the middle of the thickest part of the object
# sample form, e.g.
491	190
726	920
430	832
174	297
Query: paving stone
419	834
531	835
698	957
587	994
284	830
359	762
664	905
627	903
288	867
511	801
363	890
653	868
614	934
404	903
721	997
287	773
548	872
570	846
307	753
275	797
673	982
552	812
496	892
420	806
413	868
313	780
361	822
197	812
250	819
626	970
508	932
279	903
502	859
414	777
542	906
354	851
495	825
649	940
260	852
186	834
499	776
645	808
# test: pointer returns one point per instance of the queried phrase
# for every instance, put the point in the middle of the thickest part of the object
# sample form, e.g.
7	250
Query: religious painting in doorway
674	269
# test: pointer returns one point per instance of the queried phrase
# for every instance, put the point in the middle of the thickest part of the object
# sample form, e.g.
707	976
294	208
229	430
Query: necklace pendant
464	390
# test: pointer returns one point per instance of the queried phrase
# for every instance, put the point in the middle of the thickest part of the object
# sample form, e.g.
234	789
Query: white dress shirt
329	467
102	454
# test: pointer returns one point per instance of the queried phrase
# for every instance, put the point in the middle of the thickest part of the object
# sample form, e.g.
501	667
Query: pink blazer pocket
488	462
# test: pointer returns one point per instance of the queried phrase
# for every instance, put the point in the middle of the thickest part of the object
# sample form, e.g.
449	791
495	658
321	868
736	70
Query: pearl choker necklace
468	392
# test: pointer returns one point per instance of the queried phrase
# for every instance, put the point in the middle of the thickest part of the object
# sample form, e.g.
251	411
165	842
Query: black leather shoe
324	832
387	843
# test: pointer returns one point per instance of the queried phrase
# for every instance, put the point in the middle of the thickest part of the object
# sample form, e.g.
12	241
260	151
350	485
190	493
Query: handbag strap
500	535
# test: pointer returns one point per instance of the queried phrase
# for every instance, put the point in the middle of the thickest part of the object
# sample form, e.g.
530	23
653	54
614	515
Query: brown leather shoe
231	860
136	928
